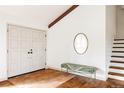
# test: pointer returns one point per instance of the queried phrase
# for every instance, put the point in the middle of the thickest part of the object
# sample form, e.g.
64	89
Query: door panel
21	41
26	44
14	52
38	45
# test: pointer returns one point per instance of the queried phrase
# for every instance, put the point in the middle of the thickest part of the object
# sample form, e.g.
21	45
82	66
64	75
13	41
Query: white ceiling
43	13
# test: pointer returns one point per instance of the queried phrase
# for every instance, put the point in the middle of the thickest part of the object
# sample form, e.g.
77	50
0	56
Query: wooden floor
56	79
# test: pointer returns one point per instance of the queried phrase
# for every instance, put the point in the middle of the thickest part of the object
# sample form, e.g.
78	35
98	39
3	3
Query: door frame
7	41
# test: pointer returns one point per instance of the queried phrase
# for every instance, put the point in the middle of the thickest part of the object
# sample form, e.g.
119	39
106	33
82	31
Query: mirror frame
74	43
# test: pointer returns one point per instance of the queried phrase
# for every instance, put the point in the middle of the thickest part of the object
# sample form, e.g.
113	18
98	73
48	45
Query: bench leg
67	69
61	68
94	75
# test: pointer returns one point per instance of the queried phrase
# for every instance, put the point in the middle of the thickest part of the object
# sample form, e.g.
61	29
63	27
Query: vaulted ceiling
43	13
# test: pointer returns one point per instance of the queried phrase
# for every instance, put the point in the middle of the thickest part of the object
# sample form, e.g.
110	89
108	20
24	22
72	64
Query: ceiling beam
62	15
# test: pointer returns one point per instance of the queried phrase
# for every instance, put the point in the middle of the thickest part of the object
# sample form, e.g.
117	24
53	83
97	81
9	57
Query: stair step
118	56
118	39
118	43
118	47
117	62
118	51
114	67
116	71
116	74
116	77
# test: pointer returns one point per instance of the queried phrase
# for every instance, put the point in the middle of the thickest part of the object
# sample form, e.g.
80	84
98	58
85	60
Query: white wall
85	19
3	49
120	22
4	20
110	33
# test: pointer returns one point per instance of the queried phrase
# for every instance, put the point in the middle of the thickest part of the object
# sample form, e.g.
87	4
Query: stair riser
120	41
117	59
117	64
118	45
116	77
116	71
118	54
118	49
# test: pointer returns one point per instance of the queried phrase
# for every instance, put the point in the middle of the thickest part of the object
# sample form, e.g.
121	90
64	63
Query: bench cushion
79	68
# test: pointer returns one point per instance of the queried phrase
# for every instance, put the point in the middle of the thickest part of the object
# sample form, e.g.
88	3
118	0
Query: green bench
79	68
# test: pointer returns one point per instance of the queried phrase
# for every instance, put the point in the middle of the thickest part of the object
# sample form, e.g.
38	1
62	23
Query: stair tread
118	39
118	56
118	43
115	67
118	51
118	62
118	47
116	74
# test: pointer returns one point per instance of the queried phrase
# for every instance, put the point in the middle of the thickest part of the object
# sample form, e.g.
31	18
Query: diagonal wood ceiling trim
62	15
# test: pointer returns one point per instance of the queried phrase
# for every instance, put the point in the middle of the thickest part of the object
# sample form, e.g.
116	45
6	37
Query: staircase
116	69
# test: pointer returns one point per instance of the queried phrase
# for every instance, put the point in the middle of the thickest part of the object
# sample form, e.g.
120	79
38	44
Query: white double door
26	50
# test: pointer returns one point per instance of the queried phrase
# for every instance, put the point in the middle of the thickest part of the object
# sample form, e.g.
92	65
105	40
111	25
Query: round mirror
80	43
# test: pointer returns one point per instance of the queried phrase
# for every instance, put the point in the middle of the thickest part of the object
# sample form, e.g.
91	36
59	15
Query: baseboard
3	79
48	67
27	73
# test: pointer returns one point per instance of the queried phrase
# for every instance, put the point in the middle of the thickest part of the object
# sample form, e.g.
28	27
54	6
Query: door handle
30	52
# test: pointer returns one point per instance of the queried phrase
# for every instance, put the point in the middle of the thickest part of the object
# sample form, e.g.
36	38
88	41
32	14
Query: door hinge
45	35
45	63
45	49
7	51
